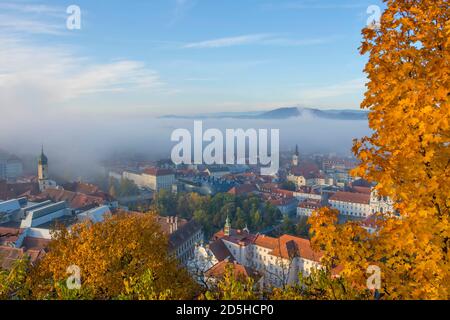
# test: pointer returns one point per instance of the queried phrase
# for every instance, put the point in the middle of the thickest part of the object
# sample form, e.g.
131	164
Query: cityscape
232	169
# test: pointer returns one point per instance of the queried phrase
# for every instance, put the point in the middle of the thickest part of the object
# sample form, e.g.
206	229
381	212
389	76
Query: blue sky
141	57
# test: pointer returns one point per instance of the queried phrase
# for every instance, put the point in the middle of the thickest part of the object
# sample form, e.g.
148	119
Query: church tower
43	170
227	229
295	157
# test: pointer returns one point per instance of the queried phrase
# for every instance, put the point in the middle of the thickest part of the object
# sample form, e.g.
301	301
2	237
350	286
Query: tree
319	285
407	155
232	287
125	256
127	188
164	203
287	226
13	284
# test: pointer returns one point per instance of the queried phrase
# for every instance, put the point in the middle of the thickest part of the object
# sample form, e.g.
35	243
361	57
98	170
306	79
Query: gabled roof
306	170
9	235
243	189
9	255
218	270
351	197
291	246
186	229
359	189
220	250
153	171
32	243
286	246
74	200
310	204
236	236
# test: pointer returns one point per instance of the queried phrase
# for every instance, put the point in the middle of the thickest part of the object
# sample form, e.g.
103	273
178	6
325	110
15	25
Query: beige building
155	179
351	203
307	207
277	260
159	179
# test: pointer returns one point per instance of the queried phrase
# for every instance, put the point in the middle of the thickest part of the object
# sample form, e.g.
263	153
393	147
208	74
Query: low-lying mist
75	147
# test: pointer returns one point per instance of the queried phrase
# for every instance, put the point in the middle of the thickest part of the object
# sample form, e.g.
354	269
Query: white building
159	179
298	180
351	204
307	207
137	177
277	260
307	193
11	167
379	204
361	204
155	179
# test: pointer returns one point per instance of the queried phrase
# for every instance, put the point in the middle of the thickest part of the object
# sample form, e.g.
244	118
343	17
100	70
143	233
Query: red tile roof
285	246
282	201
306	170
8	255
266	242
9	235
310	204
236	236
15	190
289	246
353	197
217	271
242	189
284	193
158	171
220	250
362	189
81	187
31	243
74	200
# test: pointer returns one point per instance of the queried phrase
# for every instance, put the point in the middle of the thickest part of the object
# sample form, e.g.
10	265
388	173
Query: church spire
295	156
42	158
227	229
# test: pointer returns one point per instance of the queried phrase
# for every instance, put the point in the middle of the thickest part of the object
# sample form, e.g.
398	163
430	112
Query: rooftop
352	197
218	270
153	171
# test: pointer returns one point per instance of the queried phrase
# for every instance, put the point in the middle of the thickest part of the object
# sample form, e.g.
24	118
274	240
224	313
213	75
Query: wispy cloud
229	41
258	39
335	90
32	8
37	76
316	4
31	18
26	25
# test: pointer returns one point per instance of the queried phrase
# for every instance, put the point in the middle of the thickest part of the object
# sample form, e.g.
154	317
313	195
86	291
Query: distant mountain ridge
281	113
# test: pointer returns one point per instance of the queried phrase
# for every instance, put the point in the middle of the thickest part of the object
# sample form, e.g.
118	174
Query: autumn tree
407	156
13	282
319	285
126	256
232	286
